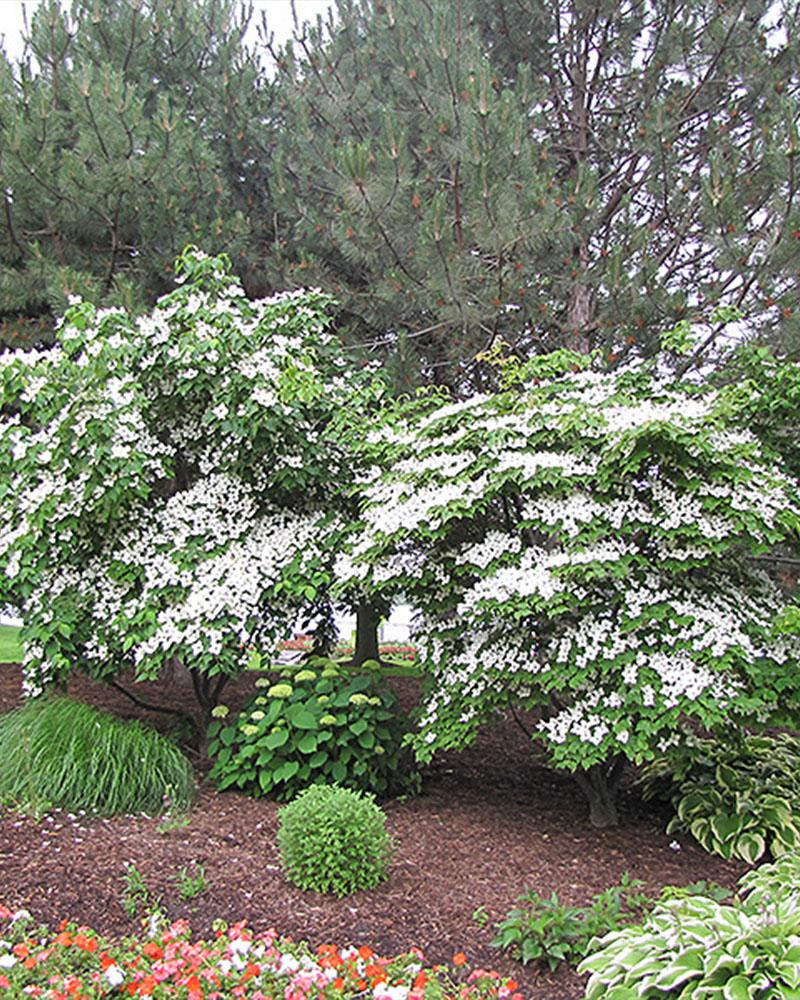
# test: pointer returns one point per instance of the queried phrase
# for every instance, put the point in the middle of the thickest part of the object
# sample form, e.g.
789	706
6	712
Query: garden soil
489	824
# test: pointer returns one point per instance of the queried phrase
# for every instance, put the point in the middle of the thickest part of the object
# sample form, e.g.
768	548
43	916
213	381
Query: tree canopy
165	479
562	173
586	546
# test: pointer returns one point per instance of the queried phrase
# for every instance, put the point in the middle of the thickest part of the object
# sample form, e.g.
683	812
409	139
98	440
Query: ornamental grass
59	753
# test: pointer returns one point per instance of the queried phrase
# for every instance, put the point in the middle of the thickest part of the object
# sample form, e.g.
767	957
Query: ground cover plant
738	798
57	753
318	724
588	546
167	962
546	930
697	947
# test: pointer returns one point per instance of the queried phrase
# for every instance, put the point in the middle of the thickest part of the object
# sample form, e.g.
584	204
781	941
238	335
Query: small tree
167	481
585	545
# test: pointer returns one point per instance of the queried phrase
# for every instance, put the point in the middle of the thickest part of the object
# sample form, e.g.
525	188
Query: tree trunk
366	634
599	784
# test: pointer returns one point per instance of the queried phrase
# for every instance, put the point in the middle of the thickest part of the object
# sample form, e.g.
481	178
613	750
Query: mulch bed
489	824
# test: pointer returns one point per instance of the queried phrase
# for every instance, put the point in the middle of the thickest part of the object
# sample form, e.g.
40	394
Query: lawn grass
10	645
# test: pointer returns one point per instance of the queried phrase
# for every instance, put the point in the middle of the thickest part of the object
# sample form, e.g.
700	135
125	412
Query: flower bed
77	963
388	650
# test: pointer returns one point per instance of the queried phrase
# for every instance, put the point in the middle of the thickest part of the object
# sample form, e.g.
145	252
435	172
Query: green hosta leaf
738	988
688	965
726	826
749	847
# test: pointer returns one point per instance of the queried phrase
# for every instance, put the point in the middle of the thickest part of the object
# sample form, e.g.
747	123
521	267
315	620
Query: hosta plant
697	948
315	725
738	799
334	840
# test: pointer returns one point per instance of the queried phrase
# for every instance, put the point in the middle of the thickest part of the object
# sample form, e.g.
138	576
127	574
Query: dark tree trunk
366	634
600	784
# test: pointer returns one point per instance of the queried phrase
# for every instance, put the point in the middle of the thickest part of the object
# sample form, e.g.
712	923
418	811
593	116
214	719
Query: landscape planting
466	324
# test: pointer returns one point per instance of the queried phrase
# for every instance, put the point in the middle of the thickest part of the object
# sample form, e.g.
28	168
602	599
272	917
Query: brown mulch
489	824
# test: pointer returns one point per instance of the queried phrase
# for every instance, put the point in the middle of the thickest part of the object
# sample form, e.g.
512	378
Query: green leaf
276	739
737	988
308	743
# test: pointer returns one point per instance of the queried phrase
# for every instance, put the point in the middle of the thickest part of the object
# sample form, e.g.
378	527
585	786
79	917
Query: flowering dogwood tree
166	481
584	545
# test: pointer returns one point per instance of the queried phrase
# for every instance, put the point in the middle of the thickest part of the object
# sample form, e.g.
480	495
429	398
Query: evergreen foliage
124	137
561	173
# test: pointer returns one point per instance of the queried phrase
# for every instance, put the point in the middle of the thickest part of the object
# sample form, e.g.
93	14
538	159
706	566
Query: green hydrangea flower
305	675
323	699
262	682
330	672
257	716
261	701
327	720
280	691
220	711
358	699
374	701
249	730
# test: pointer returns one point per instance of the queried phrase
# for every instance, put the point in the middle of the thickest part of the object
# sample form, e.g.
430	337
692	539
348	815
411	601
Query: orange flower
147	985
459	959
153	951
21	950
64	939
365	952
338	983
420	981
194	986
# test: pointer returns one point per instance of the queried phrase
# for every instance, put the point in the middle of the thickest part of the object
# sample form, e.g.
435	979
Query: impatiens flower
114	975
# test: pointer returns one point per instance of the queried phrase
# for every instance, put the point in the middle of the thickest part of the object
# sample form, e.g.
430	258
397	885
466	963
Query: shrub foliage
334	840
317	725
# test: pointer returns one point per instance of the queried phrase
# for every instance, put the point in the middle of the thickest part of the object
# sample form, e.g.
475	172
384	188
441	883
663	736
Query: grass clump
334	840
59	753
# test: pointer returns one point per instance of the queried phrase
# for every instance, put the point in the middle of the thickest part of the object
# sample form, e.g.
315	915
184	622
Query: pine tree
567	172
124	137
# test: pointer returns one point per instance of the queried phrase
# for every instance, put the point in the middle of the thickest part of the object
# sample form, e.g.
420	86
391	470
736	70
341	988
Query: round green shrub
59	753
318	725
334	839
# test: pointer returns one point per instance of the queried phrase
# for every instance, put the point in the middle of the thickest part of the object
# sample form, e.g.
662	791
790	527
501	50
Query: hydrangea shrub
583	544
165	479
